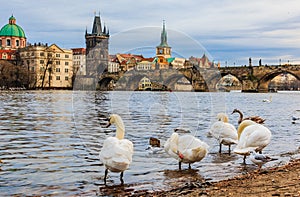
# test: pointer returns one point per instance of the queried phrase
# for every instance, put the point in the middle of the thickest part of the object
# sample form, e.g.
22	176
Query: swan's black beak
108	120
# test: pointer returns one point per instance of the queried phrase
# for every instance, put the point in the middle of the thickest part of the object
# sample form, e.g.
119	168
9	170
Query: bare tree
49	66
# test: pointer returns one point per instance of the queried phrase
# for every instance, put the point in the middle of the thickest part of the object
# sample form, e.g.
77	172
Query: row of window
56	70
57	62
42	54
9	42
56	77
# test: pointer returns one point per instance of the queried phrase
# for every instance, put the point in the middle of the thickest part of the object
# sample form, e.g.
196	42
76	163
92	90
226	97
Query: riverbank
277	181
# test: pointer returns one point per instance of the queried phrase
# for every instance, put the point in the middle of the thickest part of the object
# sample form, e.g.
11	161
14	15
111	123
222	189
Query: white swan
224	132
267	100
186	148
116	153
252	137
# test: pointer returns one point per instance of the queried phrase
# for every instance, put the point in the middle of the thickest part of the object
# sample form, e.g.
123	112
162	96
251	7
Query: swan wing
116	154
192	148
253	137
225	133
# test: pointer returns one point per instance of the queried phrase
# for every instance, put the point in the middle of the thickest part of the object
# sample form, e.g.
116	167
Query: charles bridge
252	78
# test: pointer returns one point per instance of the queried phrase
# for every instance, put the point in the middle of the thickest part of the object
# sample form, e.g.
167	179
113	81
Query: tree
12	76
48	67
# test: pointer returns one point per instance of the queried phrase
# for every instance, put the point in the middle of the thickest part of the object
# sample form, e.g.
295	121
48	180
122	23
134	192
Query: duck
256	119
251	137
185	148
224	132
294	119
260	159
116	153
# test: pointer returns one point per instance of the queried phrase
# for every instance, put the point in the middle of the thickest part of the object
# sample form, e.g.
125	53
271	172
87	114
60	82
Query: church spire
163	42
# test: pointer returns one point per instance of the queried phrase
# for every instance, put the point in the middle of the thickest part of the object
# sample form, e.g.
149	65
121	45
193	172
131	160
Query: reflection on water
50	140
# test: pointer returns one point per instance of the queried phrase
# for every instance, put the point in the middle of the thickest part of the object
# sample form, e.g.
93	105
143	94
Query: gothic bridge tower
97	54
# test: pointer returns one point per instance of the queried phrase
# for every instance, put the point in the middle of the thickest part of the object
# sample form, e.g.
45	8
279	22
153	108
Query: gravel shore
278	181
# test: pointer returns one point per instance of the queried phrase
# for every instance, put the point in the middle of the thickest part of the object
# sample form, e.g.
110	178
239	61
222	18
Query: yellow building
145	84
48	66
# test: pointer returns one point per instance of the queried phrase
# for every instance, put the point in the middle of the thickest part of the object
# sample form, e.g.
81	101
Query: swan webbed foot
121	178
105	176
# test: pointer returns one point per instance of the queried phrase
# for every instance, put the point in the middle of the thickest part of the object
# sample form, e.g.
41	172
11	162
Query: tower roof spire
163	39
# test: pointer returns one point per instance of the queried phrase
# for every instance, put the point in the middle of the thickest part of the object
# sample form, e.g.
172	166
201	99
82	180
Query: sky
227	31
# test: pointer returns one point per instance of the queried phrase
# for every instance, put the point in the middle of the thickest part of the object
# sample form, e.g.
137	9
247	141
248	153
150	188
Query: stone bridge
252	78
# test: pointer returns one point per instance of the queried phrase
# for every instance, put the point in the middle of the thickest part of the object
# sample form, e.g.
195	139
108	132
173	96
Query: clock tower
163	50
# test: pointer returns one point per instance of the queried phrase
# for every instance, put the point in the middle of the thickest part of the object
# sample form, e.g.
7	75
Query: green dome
12	29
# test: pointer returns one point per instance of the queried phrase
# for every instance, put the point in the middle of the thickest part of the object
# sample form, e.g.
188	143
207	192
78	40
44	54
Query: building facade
49	67
79	61
12	37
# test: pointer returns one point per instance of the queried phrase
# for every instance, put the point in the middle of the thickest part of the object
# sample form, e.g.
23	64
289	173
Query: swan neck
120	133
241	115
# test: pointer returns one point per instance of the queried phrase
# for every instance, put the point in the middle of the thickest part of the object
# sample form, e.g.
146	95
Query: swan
256	119
252	137
224	132
116	153
267	100
260	159
185	148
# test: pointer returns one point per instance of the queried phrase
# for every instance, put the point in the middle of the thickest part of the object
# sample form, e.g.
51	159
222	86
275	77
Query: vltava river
50	140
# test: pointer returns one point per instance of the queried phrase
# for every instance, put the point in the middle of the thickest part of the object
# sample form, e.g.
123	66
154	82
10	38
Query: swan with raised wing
186	148
252	137
224	132
116	153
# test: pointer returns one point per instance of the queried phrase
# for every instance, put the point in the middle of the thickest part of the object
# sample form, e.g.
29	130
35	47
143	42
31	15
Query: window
66	70
41	61
66	78
41	77
0	43
57	70
17	43
42	54
4	56
8	42
42	69
57	62
57	77
66	56
57	55
66	63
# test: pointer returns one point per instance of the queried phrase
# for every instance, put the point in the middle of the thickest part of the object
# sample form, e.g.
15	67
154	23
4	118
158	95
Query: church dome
12	29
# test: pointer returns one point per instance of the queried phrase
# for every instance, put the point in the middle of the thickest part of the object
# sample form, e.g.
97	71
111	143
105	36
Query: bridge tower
96	49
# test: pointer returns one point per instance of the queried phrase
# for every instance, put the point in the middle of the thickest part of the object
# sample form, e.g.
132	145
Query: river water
50	140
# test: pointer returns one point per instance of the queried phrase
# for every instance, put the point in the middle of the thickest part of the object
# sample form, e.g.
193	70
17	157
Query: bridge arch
263	84
106	83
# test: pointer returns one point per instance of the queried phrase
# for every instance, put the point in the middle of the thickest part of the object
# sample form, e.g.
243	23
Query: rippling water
50	140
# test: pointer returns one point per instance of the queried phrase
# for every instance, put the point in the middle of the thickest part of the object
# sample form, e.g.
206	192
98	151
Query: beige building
49	66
